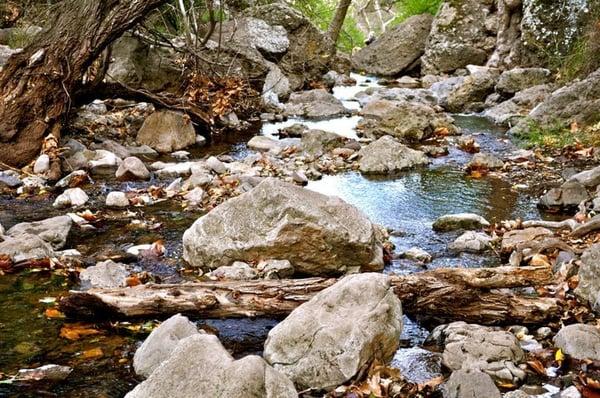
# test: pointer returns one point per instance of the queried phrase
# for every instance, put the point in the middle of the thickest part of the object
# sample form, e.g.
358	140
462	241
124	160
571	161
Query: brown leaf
75	331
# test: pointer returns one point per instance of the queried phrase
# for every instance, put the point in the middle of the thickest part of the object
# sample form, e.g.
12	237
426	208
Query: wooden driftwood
473	295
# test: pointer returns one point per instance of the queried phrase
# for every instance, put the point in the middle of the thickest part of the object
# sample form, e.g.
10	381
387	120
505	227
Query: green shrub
558	135
408	8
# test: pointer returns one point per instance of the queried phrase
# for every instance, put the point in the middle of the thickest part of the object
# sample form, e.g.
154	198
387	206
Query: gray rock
275	269
237	271
106	274
6	52
588	289
579	341
72	197
54	231
471	383
195	196
132	168
508	112
495	352
407	121
471	93
417	365
516	237
142	150
159	345
49	372
263	143
114	147
396	49
567	197
199	367
587	178
459	36
517	79
484	161
117	199
25	247
276	220
167	131
42	164
388	155
452	222
216	165
417	254
277	83
327	340
73	178
571	392
10	179
442	88
314	104
318	142
472	242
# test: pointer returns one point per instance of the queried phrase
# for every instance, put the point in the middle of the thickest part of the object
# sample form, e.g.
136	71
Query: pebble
42	164
10	178
71	197
117	199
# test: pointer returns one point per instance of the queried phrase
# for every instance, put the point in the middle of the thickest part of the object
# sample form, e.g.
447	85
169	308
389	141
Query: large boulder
509	111
396	49
318	234
328	340
318	142
576	102
517	79
159	345
566	198
388	155
54	231
309	51
167	131
589	281
407	121
200	367
140	65
267	39
471	93
459	36
23	247
512	239
314	104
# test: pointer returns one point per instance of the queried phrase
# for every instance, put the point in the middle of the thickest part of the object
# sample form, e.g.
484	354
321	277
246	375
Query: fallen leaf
76	331
92	353
559	356
53	313
133	281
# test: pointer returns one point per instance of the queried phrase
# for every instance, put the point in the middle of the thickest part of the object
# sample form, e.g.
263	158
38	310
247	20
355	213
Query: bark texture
440	295
36	85
337	22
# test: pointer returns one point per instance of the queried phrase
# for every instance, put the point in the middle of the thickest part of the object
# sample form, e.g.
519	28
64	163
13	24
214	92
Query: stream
406	203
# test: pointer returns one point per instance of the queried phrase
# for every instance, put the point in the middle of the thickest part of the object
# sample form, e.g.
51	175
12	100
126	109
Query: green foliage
558	135
321	12
19	38
408	8
583	58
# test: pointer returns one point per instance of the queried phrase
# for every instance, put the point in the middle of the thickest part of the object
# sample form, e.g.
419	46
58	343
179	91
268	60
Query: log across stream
448	294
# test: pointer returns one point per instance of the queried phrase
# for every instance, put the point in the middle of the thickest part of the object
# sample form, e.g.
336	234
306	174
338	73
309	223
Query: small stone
472	242
470	383
299	177
216	165
200	140
10	179
42	164
417	254
275	269
484	161
543	332
195	196
132	168
236	271
175	187
75	178
72	197
451	222
571	392
181	155
47	372
117	199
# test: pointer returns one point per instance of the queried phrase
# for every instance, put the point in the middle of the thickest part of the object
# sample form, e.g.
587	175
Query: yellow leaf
92	353
53	313
559	356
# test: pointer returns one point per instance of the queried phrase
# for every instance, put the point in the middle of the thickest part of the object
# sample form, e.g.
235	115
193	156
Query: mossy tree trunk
36	84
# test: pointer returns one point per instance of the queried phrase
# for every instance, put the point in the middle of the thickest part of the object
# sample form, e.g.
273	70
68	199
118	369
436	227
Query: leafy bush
408	8
557	135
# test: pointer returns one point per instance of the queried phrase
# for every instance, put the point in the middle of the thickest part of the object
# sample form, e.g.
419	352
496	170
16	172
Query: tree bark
338	20
36	85
440	295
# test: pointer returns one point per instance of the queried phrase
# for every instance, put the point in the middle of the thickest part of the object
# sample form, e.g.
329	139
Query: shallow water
406	203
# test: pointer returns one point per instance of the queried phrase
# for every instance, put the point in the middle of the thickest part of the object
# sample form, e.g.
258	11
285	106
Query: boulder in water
167	131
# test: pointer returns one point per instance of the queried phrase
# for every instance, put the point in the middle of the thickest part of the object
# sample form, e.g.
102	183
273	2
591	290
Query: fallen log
441	295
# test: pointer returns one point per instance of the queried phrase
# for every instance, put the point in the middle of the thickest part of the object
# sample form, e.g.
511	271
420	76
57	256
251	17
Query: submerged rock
159	345
53	230
396	49
167	131
49	372
318	234
200	367
579	341
452	222
327	340
471	241
417	365
104	274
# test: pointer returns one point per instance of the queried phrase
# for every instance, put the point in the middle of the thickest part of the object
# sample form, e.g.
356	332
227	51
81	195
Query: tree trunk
440	295
36	85
338	20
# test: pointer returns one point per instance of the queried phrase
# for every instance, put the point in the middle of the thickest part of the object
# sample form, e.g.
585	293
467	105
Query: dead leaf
53	313
75	331
92	353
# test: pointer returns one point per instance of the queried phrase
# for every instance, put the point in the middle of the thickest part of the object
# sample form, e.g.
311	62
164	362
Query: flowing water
407	203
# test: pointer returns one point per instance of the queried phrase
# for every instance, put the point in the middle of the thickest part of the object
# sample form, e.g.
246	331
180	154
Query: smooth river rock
388	155
327	340
318	234
579	341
